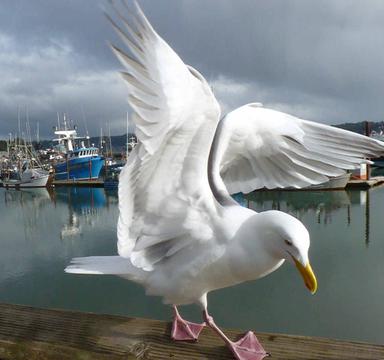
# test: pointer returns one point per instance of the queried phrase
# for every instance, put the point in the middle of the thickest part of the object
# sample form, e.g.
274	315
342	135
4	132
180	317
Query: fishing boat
83	163
23	169
79	162
28	177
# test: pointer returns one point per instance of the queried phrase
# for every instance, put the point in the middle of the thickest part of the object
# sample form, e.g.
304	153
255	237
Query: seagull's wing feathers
268	148
164	197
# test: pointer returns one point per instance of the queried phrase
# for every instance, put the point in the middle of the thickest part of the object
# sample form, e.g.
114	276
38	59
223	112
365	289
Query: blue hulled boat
79	163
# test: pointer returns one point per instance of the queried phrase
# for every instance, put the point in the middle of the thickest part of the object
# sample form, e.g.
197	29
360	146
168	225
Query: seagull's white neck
220	141
255	248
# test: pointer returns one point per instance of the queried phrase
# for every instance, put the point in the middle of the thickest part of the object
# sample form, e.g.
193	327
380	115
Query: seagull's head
288	239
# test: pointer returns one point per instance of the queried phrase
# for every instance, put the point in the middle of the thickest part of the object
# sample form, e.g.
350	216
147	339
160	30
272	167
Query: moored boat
80	163
334	183
29	177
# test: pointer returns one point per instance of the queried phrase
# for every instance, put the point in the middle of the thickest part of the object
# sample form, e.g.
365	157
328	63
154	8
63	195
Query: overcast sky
319	60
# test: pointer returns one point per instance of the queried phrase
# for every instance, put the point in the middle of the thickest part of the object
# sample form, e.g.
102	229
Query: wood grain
42	334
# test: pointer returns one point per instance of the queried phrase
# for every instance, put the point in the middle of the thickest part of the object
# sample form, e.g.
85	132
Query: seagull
180	233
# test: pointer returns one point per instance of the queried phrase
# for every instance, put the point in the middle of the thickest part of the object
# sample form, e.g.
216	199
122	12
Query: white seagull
180	234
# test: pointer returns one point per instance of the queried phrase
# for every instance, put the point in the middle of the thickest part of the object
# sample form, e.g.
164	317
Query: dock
365	184
46	334
88	183
351	185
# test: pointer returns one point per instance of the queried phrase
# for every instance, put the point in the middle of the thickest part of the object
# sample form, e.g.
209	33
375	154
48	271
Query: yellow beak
308	276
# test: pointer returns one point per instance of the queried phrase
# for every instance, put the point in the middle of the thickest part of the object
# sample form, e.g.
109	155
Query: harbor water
41	231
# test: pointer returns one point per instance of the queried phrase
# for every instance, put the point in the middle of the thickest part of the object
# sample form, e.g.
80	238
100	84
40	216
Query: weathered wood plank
31	333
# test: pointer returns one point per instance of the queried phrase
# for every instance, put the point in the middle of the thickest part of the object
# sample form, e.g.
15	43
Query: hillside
119	141
360	126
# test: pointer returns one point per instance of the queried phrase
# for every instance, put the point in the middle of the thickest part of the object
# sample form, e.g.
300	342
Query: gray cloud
317	60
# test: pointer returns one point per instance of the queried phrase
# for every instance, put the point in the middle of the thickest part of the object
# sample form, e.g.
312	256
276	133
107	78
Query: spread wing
267	148
165	200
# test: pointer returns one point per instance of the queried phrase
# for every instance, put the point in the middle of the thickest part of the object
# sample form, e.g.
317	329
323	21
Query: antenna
65	121
58	121
84	121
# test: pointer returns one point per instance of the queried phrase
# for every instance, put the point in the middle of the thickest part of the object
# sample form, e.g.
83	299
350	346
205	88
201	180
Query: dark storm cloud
38	23
299	53
318	60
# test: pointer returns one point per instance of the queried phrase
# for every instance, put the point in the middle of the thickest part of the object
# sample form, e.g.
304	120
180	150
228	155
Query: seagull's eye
289	243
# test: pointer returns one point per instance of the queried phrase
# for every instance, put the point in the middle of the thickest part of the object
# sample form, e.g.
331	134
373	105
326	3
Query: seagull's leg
184	330
247	348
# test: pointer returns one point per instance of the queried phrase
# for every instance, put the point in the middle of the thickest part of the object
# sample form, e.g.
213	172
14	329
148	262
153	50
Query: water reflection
41	226
27	197
41	232
84	206
321	204
31	202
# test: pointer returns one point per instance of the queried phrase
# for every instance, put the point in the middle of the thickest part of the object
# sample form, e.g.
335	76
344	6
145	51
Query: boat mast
37	132
19	126
101	139
110	140
127	136
28	127
9	144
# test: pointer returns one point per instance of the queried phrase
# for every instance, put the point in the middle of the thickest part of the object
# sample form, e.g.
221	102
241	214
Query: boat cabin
85	152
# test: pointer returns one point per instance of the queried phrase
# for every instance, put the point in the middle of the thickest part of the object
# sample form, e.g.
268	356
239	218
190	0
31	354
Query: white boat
28	178
334	183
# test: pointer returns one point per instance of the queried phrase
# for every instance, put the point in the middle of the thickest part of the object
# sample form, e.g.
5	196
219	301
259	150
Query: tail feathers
107	265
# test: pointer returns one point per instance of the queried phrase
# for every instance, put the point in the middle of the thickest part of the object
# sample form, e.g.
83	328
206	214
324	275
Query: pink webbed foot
248	348
183	330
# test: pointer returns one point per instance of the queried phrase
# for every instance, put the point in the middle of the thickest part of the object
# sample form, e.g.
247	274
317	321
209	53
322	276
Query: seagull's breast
247	254
191	274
